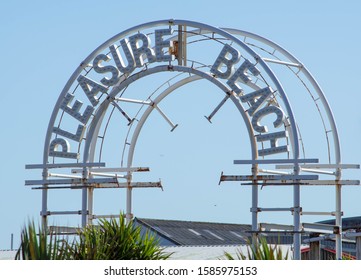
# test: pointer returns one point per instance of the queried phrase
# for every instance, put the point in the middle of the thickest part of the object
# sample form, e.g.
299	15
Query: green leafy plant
113	240
261	250
109	240
39	246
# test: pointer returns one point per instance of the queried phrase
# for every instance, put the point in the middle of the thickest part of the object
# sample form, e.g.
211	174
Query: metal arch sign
138	51
244	76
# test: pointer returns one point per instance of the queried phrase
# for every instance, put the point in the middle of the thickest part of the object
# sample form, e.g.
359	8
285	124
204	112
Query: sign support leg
44	206
296	223
338	223
84	210
254	206
128	214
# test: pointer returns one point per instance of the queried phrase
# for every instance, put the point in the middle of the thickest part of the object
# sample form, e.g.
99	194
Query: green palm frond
109	240
116	240
39	246
261	250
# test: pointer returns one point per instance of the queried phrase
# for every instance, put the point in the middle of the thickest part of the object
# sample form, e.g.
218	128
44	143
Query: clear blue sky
42	43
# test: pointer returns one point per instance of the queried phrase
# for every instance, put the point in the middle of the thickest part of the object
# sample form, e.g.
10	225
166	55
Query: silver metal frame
89	168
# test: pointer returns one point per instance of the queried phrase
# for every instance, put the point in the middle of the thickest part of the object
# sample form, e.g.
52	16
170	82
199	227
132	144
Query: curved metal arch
89	149
88	142
226	34
303	69
307	73
294	136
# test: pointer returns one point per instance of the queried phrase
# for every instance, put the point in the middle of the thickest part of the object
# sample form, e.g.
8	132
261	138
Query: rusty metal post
90	205
129	214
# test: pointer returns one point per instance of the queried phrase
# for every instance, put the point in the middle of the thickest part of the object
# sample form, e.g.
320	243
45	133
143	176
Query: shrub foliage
112	239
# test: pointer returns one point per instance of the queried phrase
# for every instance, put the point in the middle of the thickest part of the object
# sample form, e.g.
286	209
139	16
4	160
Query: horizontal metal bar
321	227
61	187
318	171
282	62
308	183
276	161
63	176
70	181
275	209
131	185
276	226
114	169
109	175
105	216
104	186
64	212
267	177
64	165
134	101
321	166
273	172
318	213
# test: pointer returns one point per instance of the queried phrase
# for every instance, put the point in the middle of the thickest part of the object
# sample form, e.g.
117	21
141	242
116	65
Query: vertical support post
254	204
44	202
296	217
182	45
90	205
338	223
128	214
12	242
358	247
84	210
338	216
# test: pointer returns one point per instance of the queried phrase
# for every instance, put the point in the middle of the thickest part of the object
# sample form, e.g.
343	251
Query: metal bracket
217	108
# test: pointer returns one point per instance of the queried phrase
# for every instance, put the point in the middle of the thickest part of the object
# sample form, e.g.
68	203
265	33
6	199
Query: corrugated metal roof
190	233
